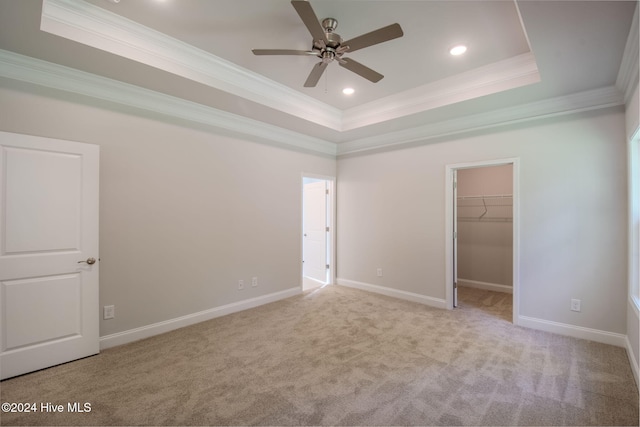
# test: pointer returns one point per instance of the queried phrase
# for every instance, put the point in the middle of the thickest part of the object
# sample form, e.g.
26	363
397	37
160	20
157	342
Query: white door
455	238
48	243
315	233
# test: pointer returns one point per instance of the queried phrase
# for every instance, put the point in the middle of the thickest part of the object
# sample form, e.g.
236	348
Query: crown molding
42	73
492	78
96	27
628	75
584	101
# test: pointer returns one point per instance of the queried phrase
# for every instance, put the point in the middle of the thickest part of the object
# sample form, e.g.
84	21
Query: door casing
449	227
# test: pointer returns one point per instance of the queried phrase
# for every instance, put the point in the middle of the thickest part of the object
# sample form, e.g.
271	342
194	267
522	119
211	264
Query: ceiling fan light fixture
348	91
458	50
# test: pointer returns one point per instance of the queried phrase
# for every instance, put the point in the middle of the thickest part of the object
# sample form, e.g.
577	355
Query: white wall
485	246
184	214
572	204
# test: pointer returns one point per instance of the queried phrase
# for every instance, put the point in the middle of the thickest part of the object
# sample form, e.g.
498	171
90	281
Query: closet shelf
485	208
483	219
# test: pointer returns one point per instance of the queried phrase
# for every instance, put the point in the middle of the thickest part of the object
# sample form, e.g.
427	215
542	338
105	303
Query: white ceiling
520	53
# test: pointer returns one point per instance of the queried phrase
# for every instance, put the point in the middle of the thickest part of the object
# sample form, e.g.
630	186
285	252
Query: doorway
317	231
482	220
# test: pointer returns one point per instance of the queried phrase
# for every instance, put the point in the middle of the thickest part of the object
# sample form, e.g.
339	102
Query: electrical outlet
379	272
240	284
254	281
575	305
109	312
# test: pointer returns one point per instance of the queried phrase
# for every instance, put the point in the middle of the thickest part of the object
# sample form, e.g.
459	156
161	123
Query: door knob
89	261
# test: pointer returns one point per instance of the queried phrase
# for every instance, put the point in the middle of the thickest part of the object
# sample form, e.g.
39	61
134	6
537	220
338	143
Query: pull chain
326	78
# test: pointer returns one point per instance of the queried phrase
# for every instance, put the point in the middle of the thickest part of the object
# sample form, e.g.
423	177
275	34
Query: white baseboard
136	334
485	285
396	293
632	361
619	340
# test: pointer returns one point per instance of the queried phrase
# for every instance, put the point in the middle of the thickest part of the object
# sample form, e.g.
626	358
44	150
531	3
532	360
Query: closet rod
489	196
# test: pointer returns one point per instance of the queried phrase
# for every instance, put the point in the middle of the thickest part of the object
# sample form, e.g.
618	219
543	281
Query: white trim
448	229
632	361
97	27
485	285
634	302
35	71
633	217
511	73
611	338
47	74
627	79
553	107
395	293
136	334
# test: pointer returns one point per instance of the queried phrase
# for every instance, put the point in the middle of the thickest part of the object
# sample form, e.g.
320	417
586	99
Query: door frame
331	215
449	226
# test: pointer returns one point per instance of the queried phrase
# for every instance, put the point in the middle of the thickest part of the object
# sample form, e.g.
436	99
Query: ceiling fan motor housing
333	39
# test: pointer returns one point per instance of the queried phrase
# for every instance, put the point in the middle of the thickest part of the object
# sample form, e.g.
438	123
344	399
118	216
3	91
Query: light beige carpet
338	356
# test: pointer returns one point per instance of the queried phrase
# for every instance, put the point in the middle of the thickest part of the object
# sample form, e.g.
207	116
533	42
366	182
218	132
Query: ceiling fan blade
315	74
282	52
308	16
380	35
361	70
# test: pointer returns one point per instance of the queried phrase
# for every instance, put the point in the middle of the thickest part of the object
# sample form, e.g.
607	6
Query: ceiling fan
329	46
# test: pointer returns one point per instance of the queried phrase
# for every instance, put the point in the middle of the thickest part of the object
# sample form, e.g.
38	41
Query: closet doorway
482	223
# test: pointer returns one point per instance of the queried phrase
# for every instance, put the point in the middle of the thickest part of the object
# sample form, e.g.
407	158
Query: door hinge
455	234
455	184
327	266
326	228
326	191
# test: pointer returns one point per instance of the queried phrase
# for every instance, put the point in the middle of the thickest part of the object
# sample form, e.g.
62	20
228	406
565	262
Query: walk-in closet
485	228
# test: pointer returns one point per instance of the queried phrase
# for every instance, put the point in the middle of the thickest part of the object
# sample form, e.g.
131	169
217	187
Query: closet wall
485	227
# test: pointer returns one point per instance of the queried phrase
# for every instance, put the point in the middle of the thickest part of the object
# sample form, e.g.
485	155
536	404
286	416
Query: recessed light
348	91
458	50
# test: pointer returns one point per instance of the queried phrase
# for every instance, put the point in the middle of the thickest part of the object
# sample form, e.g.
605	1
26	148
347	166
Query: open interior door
48	252
315	232
455	238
